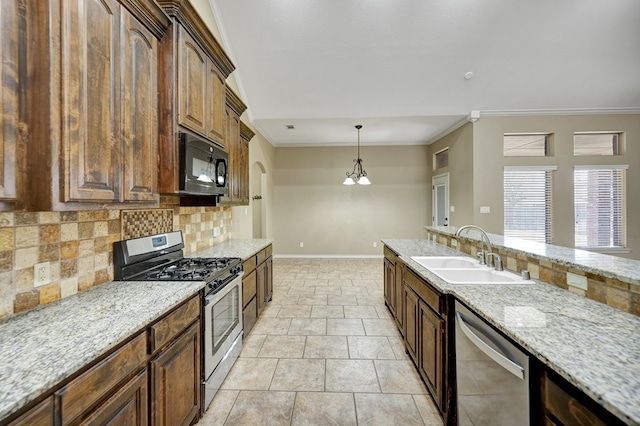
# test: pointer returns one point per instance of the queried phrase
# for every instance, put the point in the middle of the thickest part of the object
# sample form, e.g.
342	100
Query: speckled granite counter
44	346
593	346
618	268
234	248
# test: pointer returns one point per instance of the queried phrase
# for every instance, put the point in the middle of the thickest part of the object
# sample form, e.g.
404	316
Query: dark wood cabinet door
397	293
411	318
268	279
127	407
243	175
261	286
389	285
430	353
90	99
10	73
193	66
233	144
139	90
214	114
175	381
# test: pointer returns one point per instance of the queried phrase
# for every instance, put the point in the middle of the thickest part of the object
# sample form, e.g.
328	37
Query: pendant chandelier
358	175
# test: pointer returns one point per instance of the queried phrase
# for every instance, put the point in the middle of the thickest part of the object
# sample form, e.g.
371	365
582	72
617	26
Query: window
599	206
441	159
527	203
596	144
526	145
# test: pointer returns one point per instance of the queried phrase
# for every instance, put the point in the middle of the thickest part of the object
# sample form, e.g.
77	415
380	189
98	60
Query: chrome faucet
498	261
485	256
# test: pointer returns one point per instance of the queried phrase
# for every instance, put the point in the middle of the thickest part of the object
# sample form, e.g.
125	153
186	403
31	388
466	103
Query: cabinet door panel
397	294
139	110
40	415
431	331
175	381
215	116
90	99
411	318
192	83
10	74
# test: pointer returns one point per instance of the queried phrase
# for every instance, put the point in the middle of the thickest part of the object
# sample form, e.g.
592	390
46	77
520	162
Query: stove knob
215	283
236	269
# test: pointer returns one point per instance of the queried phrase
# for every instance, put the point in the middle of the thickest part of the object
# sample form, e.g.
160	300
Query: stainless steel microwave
203	167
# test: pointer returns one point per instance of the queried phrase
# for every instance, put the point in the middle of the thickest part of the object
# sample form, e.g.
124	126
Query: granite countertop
619	268
44	346
594	346
234	248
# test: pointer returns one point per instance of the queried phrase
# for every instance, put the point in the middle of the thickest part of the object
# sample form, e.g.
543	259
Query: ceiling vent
290	126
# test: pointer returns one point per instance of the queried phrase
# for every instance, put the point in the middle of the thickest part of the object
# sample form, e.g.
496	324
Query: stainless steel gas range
160	258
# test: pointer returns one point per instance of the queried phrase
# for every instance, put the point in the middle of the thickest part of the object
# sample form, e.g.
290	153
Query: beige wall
312	206
461	167
488	163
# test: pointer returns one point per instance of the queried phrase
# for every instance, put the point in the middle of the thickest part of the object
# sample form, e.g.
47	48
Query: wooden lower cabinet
257	286
411	316
431	351
175	381
389	285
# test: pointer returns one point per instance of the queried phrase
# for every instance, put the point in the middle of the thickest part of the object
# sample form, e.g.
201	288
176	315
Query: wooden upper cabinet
193	68
12	73
215	105
90	76
94	105
237	136
139	110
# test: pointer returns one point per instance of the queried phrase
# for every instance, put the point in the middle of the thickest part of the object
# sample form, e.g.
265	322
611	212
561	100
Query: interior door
440	195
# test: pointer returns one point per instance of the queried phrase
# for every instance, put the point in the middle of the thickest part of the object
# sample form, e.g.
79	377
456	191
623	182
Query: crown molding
578	111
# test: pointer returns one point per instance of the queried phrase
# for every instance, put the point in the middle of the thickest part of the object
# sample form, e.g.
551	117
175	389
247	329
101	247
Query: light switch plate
485	209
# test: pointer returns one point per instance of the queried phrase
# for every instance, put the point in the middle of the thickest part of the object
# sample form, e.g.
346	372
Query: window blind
527	203
599	206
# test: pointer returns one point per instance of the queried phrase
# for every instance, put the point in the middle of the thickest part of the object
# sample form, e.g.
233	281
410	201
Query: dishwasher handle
500	359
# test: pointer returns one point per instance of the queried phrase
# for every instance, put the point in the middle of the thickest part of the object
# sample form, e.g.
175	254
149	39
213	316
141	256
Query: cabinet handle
500	359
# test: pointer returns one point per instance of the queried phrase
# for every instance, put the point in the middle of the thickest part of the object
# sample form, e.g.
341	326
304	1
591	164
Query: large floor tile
252	344
399	377
341	299
380	327
276	346
326	347
344	327
308	326
319	311
361	312
387	409
251	374
350	375
219	408
324	408
370	347
299	375
271	326
319	299
262	408
294	311
428	410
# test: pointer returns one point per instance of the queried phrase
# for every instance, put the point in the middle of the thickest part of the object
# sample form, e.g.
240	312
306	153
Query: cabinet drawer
261	256
389	254
79	395
249	265
269	251
248	287
40	415
163	331
426	293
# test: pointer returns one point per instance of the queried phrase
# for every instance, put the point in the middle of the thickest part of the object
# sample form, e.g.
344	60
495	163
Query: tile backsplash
78	246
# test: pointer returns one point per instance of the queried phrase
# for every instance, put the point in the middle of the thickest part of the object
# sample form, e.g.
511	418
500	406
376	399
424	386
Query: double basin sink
466	270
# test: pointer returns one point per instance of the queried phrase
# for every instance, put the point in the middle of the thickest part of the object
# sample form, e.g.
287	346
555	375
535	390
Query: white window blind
599	206
527	203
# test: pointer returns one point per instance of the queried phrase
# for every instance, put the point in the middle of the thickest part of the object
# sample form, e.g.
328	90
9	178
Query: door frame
441	179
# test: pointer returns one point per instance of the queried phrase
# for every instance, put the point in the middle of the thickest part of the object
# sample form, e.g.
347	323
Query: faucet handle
497	261
480	255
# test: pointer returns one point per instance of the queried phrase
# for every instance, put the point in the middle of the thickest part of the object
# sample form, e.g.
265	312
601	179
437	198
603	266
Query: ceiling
398	66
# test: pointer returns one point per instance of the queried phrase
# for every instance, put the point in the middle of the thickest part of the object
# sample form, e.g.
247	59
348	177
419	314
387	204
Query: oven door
223	323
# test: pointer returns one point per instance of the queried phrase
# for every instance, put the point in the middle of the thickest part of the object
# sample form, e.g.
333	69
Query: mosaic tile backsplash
78	246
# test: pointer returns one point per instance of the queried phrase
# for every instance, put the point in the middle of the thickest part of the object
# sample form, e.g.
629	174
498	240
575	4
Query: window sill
607	250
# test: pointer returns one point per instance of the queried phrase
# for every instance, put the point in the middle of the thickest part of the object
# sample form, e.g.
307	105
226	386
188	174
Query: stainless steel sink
466	270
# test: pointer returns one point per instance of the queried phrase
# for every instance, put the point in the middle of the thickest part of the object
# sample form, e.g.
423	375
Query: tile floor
325	351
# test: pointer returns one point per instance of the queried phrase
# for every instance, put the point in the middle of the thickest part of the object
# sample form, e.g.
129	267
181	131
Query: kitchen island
594	347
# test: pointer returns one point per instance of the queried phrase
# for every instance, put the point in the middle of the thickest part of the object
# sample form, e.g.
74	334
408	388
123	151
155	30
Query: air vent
290	126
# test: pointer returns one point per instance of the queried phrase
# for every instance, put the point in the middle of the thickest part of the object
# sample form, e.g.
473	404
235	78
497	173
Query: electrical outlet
41	274
301	244
375	244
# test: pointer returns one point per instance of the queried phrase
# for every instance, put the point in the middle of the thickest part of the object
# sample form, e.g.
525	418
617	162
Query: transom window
596	144
441	159
526	145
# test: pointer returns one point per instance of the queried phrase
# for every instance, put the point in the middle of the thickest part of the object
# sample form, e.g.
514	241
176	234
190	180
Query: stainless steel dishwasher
492	375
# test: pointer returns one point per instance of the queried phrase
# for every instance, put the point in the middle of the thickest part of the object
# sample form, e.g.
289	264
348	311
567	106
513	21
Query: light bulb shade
364	180
348	181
